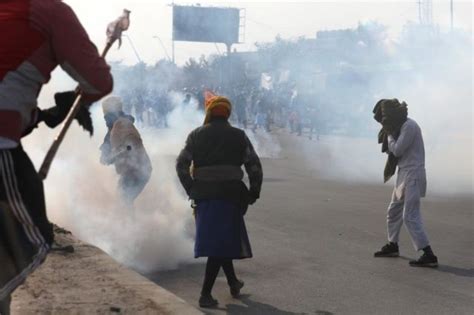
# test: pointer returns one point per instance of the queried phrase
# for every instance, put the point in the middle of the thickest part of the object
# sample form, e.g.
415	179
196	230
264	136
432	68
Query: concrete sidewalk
89	281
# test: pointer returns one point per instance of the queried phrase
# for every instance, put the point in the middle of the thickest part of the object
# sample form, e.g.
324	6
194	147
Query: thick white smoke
82	195
438	91
266	145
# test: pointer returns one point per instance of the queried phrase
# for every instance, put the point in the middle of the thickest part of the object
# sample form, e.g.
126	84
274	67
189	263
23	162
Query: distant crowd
253	108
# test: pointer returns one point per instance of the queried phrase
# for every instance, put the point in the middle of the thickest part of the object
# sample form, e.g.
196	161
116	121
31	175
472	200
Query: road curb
88	281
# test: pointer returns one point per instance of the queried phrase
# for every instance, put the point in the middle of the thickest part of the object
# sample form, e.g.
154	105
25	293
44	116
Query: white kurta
410	185
409	148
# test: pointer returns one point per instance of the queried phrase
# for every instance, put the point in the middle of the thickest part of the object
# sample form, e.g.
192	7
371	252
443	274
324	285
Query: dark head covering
391	114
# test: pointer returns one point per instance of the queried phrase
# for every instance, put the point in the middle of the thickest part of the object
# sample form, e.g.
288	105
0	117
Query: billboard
206	24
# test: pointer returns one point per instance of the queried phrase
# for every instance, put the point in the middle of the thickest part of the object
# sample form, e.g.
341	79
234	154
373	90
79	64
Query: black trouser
5	305
212	270
25	232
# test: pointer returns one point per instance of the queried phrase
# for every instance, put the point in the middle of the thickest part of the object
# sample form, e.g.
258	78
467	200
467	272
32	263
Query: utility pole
419	12
425	12
452	15
172	36
172	51
229	65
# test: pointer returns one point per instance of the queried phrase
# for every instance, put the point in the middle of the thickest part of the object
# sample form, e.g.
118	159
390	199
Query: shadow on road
169	278
247	306
461	272
252	307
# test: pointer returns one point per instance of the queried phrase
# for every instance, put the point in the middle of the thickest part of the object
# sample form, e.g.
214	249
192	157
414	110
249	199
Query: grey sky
265	19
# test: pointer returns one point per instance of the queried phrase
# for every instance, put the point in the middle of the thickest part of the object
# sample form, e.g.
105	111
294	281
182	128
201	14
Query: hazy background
265	20
157	233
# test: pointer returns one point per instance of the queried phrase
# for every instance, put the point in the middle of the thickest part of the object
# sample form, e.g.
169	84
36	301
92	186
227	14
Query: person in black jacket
209	168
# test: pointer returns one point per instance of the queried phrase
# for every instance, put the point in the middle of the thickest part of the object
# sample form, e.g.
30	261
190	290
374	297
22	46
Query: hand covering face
391	114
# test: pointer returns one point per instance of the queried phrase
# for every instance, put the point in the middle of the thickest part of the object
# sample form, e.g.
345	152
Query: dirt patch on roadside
87	281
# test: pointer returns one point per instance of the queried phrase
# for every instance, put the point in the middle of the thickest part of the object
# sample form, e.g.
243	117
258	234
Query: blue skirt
220	230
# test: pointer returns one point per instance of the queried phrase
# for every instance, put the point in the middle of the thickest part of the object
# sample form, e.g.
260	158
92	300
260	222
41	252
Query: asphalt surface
313	242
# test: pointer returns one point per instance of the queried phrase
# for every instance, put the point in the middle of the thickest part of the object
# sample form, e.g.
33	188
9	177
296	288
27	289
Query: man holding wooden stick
36	36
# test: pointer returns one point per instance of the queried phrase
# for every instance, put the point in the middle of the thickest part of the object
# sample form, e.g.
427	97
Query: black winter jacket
219	146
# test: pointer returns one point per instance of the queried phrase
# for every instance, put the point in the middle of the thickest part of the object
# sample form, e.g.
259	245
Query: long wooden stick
48	160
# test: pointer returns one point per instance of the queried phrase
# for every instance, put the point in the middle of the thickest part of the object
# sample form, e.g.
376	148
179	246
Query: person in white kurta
410	187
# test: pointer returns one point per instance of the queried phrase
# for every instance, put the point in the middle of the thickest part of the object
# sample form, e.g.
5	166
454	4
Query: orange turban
217	106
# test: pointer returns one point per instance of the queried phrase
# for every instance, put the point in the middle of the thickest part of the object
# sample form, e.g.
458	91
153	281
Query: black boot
389	250
212	269
5	305
206	300
428	259
235	288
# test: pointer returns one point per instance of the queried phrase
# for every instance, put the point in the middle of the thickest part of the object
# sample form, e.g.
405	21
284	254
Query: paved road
313	242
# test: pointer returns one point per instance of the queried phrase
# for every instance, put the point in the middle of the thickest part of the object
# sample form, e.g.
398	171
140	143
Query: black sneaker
389	250
207	301
426	260
235	288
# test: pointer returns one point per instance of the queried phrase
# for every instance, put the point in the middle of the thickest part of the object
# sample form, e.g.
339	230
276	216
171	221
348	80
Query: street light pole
172	50
133	47
163	46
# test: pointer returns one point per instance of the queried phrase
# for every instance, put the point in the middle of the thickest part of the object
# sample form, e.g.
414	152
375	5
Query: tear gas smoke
433	75
82	194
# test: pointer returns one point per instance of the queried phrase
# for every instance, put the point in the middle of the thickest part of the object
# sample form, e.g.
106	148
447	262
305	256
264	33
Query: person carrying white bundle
124	148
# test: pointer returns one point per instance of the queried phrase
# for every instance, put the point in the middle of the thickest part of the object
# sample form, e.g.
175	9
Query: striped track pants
25	232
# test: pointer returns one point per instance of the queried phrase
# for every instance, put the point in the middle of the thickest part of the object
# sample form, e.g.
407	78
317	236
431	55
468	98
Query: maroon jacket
35	37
